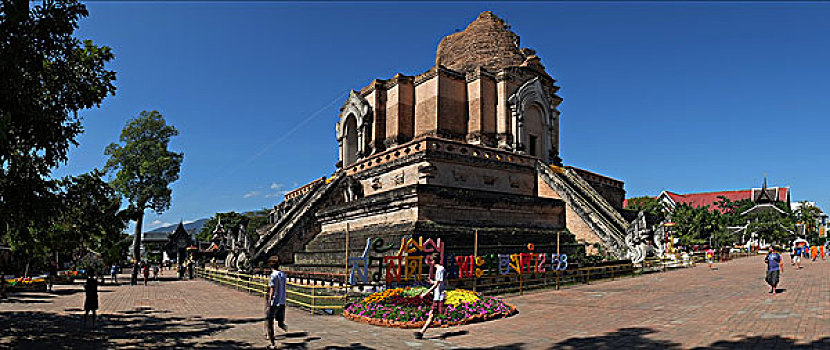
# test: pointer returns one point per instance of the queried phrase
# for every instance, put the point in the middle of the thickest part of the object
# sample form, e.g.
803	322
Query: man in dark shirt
773	262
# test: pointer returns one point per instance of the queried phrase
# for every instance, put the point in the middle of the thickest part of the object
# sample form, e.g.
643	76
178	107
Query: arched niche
532	120
352	129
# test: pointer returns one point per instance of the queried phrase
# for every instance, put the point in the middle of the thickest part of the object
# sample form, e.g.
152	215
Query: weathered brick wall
487	42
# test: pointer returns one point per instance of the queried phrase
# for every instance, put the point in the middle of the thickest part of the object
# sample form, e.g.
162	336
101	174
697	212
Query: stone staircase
603	219
289	232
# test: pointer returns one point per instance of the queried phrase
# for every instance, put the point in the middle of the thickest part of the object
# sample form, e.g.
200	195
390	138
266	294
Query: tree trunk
137	246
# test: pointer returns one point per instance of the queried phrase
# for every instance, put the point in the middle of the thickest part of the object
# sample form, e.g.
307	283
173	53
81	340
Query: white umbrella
800	240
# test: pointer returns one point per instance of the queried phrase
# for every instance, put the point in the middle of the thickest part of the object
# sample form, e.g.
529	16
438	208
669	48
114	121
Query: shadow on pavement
144	328
774	342
634	338
514	346
446	335
624	338
353	346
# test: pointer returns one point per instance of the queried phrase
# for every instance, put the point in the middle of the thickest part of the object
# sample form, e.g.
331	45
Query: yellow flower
461	296
379	297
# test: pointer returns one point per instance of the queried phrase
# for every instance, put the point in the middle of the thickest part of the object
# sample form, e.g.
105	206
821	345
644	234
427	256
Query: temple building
468	150
763	195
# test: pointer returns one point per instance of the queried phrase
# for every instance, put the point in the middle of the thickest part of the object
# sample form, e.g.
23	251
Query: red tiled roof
710	198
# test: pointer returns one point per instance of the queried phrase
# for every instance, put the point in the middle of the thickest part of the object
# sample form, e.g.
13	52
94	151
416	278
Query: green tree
807	217
772	227
144	169
46	76
649	205
695	225
230	220
92	215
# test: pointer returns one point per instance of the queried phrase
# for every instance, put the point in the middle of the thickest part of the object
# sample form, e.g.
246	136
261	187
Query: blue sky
680	96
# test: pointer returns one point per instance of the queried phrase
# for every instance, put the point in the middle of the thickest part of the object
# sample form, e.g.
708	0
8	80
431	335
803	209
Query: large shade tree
92	219
47	76
144	168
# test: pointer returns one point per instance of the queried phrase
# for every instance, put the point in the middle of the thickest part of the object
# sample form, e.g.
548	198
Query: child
439	286
275	301
91	293
710	257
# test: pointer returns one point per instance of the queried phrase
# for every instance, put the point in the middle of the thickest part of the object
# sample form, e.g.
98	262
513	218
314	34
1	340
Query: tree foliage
699	225
807	217
771	226
143	165
46	76
649	205
230	220
695	225
144	168
92	216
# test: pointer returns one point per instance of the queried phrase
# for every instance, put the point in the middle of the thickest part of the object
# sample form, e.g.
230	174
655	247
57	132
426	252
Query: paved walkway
683	309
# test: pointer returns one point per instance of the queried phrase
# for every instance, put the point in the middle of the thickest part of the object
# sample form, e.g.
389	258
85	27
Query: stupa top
487	42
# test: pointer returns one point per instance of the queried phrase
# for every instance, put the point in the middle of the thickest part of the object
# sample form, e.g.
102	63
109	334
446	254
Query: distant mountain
196	225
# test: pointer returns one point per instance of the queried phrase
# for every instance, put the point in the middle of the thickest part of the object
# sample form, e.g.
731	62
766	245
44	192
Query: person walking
156	272
114	274
438	289
91	297
145	270
797	257
275	301
710	257
814	252
53	273
774	266
792	255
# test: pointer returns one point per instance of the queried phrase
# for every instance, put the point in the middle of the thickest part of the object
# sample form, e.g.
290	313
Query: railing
305	188
597	198
310	297
614	235
518	283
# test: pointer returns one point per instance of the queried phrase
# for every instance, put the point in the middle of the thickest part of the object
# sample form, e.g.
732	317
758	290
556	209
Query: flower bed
404	308
27	283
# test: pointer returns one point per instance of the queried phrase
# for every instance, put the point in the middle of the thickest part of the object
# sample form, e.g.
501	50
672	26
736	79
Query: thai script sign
414	257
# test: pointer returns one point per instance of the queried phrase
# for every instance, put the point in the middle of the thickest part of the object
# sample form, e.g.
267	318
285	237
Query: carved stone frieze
376	183
399	178
459	176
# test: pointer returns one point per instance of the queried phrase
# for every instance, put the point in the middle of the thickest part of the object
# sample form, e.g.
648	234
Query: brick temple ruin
471	145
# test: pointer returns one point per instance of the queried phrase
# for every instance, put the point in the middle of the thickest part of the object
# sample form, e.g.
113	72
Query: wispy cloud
188	222
276	186
277	194
158	223
251	194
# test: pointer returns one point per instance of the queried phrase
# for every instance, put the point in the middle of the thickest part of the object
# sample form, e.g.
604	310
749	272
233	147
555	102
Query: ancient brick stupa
471	145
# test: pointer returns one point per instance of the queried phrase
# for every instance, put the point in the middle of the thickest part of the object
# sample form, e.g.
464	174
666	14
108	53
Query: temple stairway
605	221
298	225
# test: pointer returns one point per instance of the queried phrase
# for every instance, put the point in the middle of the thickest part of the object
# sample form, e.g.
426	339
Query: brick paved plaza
689	308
